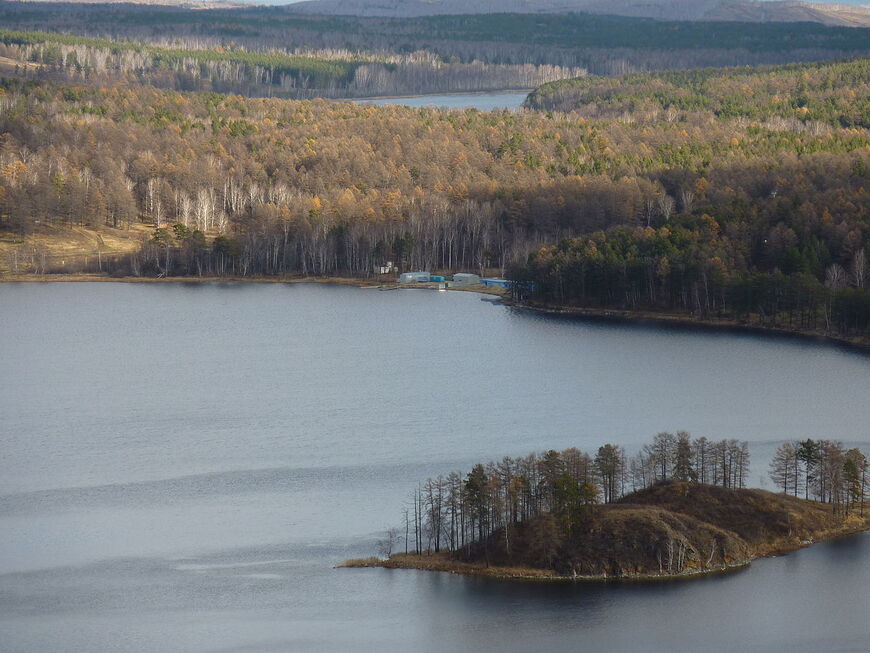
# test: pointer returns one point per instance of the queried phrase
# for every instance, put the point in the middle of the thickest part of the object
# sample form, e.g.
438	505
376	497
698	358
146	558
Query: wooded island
677	508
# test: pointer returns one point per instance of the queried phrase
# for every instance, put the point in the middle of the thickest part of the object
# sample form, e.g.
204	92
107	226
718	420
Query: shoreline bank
441	562
683	321
371	284
102	278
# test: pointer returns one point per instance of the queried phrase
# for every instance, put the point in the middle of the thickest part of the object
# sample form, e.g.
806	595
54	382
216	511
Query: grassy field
67	248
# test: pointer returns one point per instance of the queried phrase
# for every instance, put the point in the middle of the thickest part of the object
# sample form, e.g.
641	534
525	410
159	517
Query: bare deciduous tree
666	206
386	543
859	269
835	277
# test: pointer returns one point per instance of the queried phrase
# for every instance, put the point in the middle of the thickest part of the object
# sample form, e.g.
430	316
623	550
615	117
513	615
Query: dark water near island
182	464
482	101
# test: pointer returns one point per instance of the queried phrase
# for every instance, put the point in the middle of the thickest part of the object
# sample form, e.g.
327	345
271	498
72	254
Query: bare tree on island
386	543
460	512
822	470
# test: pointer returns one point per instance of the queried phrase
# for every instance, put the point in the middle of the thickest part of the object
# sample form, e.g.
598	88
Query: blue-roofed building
501	283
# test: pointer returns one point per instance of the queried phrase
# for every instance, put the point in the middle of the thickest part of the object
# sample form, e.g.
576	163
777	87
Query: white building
465	279
414	277
385	269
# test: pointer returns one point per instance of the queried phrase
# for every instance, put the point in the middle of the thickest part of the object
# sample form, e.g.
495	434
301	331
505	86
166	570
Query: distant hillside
181	4
600	44
694	10
751	11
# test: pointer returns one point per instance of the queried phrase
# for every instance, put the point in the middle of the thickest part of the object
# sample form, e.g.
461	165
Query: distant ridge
752	11
181	4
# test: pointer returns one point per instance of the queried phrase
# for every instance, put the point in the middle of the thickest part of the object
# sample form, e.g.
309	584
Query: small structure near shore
466	279
387	268
501	283
414	277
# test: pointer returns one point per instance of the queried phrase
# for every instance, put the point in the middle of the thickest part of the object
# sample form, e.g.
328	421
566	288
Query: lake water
482	101
181	465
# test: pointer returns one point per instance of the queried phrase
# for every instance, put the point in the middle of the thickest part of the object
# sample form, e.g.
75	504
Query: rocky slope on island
672	529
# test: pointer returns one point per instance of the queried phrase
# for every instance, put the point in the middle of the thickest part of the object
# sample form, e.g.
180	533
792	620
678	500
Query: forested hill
835	93
726	10
707	248
759	212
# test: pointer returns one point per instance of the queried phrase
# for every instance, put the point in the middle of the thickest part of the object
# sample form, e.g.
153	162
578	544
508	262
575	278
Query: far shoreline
689	323
374	284
103	278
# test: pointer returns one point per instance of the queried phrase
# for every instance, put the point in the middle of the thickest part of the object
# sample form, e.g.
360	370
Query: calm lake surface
182	464
482	101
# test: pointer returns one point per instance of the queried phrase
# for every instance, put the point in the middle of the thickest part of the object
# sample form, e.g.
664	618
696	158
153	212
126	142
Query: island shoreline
441	562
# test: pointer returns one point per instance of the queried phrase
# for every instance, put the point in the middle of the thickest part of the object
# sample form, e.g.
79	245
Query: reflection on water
182	466
283	598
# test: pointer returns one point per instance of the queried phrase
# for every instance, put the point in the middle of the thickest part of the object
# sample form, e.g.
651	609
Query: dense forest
753	203
660	507
836	94
709	248
608	45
